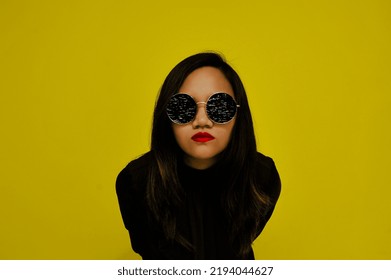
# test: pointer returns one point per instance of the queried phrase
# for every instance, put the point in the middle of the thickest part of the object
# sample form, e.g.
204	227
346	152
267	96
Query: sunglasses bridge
205	102
202	102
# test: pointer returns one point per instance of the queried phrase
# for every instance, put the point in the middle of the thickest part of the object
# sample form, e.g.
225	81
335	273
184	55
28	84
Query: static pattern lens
181	109
221	108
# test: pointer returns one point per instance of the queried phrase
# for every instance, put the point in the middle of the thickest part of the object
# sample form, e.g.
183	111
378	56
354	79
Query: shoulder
135	173
268	176
263	160
131	188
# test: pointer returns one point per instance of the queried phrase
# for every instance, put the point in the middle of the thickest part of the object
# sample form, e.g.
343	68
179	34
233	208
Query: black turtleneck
201	220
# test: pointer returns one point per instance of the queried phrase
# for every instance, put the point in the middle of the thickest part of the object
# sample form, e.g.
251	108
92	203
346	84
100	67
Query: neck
199	163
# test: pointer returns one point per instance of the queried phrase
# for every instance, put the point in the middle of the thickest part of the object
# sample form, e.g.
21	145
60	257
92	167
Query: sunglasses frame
204	102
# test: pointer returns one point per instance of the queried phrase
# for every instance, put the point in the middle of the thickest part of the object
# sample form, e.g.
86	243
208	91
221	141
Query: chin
204	157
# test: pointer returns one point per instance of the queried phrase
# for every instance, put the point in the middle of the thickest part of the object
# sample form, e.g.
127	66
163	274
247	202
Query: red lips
202	137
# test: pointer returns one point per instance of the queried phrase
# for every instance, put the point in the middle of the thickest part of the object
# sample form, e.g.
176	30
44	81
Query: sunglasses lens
181	108
221	108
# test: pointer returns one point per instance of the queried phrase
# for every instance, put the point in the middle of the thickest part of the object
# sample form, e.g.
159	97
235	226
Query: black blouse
201	221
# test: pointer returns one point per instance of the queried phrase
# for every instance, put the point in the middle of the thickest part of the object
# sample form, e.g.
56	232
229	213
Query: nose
201	119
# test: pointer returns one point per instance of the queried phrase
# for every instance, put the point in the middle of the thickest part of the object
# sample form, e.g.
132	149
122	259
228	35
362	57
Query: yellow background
78	85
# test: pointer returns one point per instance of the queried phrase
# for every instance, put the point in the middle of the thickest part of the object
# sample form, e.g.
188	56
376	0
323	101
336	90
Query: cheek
181	133
226	129
225	133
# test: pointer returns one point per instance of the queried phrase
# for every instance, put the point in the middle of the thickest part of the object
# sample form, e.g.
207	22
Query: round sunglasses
220	107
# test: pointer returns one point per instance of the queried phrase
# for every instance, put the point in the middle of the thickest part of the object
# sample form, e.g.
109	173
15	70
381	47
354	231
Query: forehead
203	82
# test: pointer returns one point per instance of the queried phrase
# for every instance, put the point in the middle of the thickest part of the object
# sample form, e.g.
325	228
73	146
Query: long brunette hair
243	202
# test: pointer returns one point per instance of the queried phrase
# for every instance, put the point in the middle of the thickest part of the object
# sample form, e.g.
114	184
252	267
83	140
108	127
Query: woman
203	191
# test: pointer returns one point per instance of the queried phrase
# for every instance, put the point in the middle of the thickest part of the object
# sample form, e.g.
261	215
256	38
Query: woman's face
202	151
